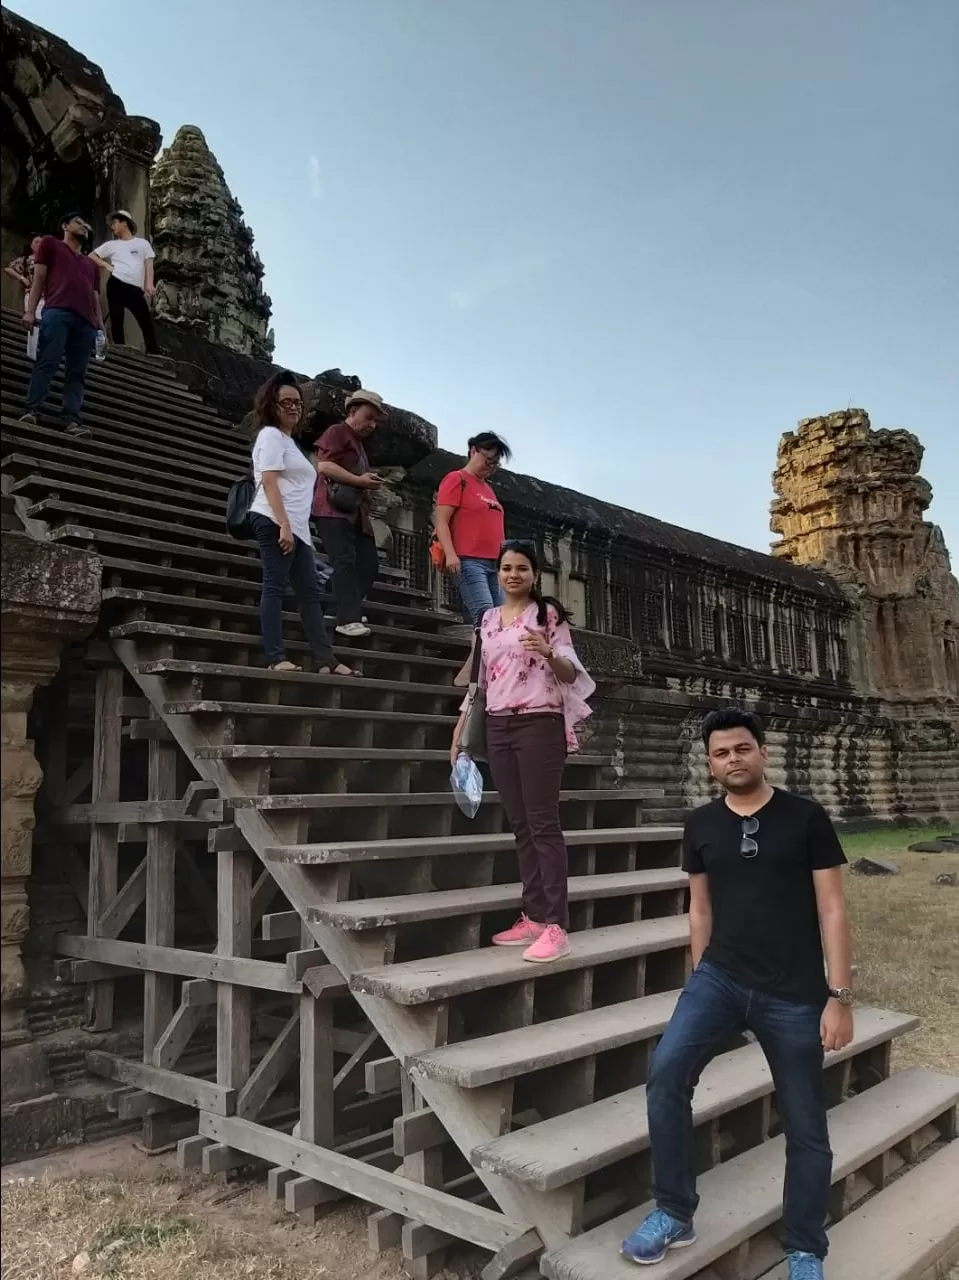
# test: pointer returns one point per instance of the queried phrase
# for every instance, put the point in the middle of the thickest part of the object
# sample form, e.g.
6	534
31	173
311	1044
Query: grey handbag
473	734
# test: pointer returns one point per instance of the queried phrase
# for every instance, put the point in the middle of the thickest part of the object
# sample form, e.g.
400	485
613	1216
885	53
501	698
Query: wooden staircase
342	1019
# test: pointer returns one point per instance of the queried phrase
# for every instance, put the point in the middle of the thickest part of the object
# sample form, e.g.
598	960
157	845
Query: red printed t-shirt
343	446
72	280
477	526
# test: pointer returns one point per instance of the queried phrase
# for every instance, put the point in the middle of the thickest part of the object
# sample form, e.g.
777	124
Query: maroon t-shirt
73	281
343	446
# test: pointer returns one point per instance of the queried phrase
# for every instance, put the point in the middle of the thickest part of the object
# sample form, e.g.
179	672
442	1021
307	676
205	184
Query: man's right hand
29	321
370	480
452	565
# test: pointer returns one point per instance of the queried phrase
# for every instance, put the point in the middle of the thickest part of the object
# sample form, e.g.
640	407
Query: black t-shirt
765	928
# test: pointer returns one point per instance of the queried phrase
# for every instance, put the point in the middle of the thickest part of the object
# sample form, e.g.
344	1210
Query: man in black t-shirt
765	885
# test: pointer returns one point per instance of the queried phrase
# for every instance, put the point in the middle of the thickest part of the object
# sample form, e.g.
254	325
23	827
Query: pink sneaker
521	934
550	945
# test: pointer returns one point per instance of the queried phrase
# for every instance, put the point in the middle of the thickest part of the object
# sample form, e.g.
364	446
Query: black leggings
120	297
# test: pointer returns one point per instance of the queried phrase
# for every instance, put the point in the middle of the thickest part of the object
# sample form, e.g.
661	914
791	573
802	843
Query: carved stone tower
851	500
210	277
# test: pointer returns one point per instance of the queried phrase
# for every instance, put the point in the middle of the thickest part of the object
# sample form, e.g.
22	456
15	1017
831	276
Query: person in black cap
69	284
128	259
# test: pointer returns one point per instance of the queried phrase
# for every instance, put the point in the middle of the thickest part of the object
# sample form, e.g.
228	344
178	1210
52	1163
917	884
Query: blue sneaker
804	1266
654	1238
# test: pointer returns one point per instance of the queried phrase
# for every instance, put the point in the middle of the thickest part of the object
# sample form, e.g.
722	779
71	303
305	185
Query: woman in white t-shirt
280	516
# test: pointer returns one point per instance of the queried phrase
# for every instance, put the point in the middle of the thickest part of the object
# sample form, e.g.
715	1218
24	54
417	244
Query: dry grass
906	935
166	1226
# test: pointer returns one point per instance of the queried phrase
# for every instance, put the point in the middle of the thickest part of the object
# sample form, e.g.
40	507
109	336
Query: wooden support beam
136	1104
200	892
272	1068
103	838
118	913
348	1078
483	1227
234	939
383	1075
189	1152
158	988
149	731
514	1258
198	793
202	1094
298	962
281	925
179	1031
265	975
140	813
198	991
418	1131
317	1121
227	839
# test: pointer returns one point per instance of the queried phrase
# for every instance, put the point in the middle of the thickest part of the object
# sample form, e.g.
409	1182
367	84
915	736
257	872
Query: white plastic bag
467	783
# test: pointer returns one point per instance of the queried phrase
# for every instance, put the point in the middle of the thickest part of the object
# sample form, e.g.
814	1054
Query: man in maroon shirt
69	284
341	508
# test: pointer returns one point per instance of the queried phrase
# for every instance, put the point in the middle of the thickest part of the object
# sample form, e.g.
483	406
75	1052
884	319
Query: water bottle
100	350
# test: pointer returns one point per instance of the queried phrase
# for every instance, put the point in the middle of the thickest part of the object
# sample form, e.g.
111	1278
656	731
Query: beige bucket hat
367	397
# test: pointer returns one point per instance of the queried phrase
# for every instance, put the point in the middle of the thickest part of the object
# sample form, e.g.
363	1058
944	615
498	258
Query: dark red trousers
527	756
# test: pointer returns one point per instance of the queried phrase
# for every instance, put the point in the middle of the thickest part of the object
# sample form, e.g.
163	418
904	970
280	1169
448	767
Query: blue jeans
712	1009
297	570
479	587
66	336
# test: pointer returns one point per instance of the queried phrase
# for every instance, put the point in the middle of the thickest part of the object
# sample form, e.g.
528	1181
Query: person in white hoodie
128	259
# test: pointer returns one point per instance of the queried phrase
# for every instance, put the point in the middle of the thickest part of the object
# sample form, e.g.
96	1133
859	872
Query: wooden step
442	977
744	1196
904	1231
280	711
445	846
226	671
381	913
488	1059
132	597
406	800
566	1148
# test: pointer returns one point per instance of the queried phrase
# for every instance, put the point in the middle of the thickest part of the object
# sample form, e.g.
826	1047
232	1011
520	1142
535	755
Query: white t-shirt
274	450
128	259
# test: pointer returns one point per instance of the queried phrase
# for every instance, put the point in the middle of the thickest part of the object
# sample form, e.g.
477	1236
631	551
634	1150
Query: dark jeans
121	297
527	756
355	564
296	570
479	587
713	1009
64	335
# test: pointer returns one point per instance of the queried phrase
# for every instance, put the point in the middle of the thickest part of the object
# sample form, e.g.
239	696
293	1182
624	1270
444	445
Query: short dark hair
490	440
733	718
69	217
264	405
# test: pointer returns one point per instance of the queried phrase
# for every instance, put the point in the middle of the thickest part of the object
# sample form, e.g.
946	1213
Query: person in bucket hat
128	261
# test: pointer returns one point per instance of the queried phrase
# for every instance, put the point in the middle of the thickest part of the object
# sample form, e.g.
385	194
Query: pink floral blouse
518	682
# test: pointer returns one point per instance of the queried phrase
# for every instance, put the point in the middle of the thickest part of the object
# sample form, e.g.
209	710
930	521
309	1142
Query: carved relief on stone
209	276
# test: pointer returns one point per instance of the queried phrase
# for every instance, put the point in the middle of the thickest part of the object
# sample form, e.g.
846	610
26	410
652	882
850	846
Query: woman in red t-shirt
470	526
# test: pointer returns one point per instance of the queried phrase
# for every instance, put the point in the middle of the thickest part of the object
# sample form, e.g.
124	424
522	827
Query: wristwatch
842	994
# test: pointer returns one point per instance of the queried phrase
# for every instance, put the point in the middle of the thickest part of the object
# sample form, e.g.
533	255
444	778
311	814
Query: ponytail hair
543	603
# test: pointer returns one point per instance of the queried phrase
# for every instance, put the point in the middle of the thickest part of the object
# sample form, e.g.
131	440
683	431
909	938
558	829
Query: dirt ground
109	1213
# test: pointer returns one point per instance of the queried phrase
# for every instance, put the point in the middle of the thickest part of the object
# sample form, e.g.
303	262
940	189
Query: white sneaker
353	629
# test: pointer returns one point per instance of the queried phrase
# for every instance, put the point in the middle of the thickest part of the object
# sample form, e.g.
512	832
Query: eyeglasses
295	406
747	845
525	545
492	460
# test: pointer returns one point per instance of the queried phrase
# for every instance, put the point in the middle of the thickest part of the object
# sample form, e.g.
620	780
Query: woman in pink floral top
536	691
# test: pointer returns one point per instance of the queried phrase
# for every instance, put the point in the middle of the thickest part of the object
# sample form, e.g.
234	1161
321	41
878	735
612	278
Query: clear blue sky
640	238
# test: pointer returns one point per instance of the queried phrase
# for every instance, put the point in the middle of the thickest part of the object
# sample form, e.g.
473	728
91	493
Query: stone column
50	594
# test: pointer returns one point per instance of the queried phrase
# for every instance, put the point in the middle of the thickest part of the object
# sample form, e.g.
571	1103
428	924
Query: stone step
471	1064
263	676
743	1196
166	603
909	1231
280	803
442	846
441	904
444	977
146	380
128	457
156	431
566	1148
216	547
128	393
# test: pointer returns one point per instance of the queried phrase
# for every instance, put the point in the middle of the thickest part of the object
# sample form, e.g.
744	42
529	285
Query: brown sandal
284	666
339	670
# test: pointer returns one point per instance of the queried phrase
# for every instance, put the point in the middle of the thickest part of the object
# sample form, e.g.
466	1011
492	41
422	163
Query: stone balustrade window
620	610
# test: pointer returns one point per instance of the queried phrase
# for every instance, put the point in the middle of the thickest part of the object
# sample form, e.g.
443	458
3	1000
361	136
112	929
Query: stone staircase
320	808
